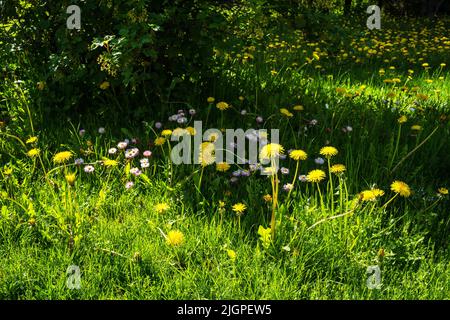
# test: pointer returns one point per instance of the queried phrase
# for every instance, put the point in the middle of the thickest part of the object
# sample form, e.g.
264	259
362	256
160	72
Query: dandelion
286	112
401	188
166	133
239	208
70	178
210	100
160	141
416	127
265	235
33	152
89	169
337	168
104	85
298	155
222	166
298	108
231	254
402	119
443	191
271	151
110	163
328	151
222	106
207	154
129	185
62	156
31	140
267	198
174	238
191	131
161	207
316	175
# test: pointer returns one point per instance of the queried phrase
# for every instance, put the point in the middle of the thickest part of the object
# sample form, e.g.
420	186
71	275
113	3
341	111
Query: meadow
363	177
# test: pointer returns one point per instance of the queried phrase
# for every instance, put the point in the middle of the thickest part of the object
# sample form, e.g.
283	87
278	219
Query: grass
320	244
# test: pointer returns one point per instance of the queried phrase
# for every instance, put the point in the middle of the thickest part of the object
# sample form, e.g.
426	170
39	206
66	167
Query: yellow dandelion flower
443	191
267	198
298	155
239	208
222	166
337	168
298	108
402	119
316	175
33	152
210	99
110	163
328	151
378	192
62	156
161	207
401	188
174	238
221	204
286	112
232	255
191	131
160	141
31	140
70	178
367	195
166	132
104	85
416	127
213	136
271	150
222	105
178	132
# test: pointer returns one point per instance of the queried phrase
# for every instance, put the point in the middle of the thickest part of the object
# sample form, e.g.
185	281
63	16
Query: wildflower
367	195
191	131
265	235
378	192
104	85
267	198
135	172
79	161
31	140
213	136
337	168
101	130
129	185
313	122
70	178
222	106
288	187
231	254
158	125
349	129
131	153
122	145
245	173
319	161
241	98
221	204
239	208
161	207
286	112
402	119
298	108
416	127
271	150
210	99
40	85
316	175
284	170
89	169
174	238
270	171
443	191
147	153
401	188
62	156
328	151
112	151
243	112
298	155
110	163
33	152
82	132
259	119
303	178
160	141
222	166
166	133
